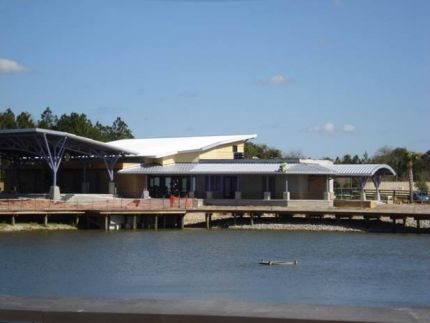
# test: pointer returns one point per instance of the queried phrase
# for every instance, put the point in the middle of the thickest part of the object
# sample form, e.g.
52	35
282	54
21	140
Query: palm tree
410	159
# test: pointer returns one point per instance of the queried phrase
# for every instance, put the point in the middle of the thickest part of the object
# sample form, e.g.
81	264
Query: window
213	183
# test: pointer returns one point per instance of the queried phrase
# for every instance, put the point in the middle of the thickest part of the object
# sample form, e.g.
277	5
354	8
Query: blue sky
322	77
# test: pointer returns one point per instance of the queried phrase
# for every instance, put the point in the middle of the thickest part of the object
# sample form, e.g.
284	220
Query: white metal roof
265	168
227	168
162	147
361	169
74	143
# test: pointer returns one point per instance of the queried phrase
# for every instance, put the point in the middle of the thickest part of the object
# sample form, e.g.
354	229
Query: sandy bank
34	227
296	227
300	223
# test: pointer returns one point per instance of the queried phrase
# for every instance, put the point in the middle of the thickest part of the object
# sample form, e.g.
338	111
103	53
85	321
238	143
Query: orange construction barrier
172	199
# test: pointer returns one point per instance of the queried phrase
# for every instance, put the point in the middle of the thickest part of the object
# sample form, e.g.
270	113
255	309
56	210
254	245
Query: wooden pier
174	217
394	213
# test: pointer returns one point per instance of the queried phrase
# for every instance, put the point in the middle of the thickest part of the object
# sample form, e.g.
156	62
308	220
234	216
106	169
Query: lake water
334	268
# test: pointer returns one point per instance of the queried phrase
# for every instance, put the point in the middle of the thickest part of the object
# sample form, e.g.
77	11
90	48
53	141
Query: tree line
78	124
263	151
408	165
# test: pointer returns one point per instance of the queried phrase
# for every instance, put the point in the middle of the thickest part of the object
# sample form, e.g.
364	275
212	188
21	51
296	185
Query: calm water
334	268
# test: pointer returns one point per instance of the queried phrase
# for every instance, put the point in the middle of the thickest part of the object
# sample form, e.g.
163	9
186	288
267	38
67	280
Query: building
211	168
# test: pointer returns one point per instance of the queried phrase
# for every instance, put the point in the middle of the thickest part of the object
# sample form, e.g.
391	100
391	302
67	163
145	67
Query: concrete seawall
25	309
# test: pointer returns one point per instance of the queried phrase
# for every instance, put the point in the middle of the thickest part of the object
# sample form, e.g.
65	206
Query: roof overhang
226	168
238	167
362	170
150	147
27	143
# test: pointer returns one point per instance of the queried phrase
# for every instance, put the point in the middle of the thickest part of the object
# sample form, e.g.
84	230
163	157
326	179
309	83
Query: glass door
229	186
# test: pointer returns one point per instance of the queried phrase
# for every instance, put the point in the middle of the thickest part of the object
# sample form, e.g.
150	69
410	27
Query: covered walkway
53	147
364	172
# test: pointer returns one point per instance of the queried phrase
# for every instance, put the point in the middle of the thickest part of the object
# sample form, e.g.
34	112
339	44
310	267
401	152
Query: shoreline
29	227
296	227
265	222
297	224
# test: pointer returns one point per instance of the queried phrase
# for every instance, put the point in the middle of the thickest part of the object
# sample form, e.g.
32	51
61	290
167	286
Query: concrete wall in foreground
94	310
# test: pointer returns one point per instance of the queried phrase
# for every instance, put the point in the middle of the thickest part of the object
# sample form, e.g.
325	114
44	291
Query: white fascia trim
219	143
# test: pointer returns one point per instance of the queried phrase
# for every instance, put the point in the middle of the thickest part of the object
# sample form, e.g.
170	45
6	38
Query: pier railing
27	204
355	194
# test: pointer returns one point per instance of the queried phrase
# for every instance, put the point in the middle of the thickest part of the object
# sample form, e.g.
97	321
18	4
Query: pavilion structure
53	147
210	168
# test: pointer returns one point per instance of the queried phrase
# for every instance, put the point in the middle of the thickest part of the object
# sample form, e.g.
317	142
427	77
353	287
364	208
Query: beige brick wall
221	152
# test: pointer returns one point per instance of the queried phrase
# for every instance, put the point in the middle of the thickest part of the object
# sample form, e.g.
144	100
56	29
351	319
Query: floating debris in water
278	262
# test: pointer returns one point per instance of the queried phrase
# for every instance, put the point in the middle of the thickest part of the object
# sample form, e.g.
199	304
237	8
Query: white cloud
9	66
279	79
330	128
349	128
327	127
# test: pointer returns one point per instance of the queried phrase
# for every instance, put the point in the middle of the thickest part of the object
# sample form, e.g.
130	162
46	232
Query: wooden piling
12	220
251	218
182	221
234	218
45	220
208	218
106	222
367	221
87	221
134	222
156	222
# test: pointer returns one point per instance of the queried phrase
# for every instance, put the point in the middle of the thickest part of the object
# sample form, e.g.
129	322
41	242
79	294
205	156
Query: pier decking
164	213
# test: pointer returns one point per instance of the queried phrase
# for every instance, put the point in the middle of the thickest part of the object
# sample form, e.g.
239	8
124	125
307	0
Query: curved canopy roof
35	141
162	147
367	170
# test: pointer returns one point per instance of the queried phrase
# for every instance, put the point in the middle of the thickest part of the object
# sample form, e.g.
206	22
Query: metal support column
145	193
52	152
286	192
192	191
362	182
110	161
209	186
377	179
327	188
